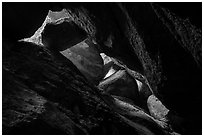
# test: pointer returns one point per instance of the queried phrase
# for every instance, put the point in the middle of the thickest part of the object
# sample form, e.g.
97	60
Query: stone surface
62	36
156	108
121	84
49	95
87	59
148	44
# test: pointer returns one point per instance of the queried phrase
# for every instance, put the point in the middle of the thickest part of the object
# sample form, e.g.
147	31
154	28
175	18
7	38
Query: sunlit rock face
87	59
139	85
63	82
156	108
52	17
58	15
108	65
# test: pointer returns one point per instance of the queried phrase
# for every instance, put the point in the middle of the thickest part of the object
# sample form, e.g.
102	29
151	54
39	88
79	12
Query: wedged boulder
61	36
121	84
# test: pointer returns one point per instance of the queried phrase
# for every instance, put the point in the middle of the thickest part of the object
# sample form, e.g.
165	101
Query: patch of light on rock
110	72
52	17
139	84
106	59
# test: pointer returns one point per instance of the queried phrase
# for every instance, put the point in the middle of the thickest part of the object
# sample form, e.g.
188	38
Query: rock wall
45	92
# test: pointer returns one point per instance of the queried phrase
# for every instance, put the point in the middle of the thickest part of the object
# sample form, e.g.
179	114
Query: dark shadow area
44	92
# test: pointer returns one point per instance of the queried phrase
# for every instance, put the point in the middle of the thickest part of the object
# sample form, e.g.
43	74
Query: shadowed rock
62	36
157	60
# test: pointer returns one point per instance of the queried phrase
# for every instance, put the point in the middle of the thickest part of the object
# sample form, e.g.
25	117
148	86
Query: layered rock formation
103	68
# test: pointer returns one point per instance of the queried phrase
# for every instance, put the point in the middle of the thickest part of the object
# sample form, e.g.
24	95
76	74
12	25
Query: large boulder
121	84
61	36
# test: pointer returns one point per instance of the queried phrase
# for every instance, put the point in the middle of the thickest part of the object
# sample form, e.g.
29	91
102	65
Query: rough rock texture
49	92
60	37
188	35
87	59
157	56
121	84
